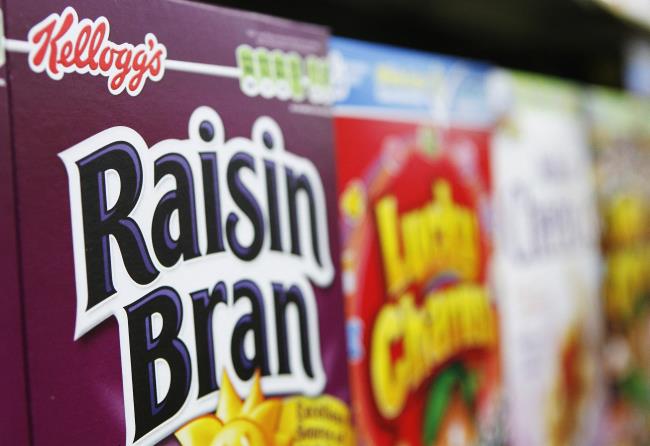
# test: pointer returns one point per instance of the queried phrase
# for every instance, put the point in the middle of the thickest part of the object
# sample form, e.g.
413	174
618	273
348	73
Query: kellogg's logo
62	44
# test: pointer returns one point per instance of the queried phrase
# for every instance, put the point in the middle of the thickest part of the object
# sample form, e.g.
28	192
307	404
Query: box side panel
14	425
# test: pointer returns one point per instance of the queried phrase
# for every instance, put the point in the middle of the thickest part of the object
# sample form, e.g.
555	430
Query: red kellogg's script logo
62	44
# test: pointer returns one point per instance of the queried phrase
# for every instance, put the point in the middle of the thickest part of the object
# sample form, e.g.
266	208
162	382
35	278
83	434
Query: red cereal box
412	142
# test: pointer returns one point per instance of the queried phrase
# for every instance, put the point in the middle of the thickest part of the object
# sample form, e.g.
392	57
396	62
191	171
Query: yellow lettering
439	237
389	379
449	322
387	224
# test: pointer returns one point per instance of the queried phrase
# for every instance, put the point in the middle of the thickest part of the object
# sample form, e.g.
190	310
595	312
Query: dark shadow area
573	39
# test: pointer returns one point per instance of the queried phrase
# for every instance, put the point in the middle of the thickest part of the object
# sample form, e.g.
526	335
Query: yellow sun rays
253	422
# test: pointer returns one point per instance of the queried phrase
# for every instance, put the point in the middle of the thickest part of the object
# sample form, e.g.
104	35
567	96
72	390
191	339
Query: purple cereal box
175	194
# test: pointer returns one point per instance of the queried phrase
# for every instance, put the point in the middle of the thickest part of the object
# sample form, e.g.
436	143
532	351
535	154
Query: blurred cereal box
547	262
412	144
620	139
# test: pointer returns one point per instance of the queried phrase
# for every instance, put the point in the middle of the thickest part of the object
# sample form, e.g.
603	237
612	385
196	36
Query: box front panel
412	140
547	263
176	199
619	138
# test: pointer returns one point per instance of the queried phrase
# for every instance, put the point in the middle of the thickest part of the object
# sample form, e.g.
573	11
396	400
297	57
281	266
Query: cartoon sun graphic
253	422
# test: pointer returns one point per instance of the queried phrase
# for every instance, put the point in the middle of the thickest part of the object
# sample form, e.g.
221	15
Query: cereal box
620	138
14	425
177	217
546	262
412	143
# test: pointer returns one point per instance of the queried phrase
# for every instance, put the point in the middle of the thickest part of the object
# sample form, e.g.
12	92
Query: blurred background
592	41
